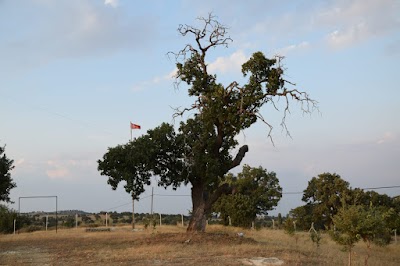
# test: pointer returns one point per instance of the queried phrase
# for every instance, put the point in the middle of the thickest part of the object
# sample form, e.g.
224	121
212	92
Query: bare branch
259	116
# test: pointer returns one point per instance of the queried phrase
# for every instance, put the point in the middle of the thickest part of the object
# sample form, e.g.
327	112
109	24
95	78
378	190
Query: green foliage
69	221
289	226
7	219
305	217
328	193
6	182
325	194
256	192
346	231
280	221
150	220
356	222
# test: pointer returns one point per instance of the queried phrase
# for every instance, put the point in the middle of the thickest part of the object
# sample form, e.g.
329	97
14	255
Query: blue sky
74	73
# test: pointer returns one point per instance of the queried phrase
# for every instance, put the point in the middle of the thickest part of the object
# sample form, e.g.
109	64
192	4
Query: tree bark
198	220
202	205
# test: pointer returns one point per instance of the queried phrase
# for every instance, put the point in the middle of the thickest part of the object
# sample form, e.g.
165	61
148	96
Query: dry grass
166	246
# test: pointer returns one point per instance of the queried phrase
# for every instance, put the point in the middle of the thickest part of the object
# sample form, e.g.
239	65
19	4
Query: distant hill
64	212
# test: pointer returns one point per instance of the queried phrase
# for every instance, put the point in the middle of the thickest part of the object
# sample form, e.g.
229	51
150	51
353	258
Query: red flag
134	126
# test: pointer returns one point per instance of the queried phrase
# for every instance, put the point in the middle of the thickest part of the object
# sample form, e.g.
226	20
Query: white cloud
113	3
358	20
224	65
292	48
387	137
154	81
19	162
70	169
57	173
348	36
233	63
50	34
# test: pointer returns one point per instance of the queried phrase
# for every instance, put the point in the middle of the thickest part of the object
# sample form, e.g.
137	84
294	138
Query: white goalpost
37	197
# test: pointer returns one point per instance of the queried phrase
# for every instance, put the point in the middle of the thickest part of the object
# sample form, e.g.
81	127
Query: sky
74	73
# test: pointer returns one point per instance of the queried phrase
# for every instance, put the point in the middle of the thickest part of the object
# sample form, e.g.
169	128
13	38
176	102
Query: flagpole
133	198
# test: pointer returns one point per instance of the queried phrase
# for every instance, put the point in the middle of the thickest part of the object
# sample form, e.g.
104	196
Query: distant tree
361	197
303	215
69	221
280	220
325	194
52	221
6	182
256	192
394	218
200	153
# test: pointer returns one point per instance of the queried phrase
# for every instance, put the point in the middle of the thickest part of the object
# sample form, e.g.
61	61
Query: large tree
200	153
6	182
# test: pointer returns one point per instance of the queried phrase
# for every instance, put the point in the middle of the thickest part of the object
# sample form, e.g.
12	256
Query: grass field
170	245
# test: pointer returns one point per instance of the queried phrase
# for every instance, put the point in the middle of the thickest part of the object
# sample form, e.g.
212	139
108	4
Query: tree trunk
350	250
133	211
202	204
199	212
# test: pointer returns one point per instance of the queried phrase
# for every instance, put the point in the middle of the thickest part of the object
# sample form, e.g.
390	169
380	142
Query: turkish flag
134	126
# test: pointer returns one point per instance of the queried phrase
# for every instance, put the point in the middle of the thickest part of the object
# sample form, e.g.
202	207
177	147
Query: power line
367	188
165	195
292	192
381	187
128	203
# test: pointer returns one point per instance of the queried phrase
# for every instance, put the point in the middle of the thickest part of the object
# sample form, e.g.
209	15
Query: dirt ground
173	246
123	247
120	247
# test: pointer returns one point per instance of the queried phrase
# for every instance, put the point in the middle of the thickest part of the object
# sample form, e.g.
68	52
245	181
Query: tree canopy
256	191
200	152
326	194
6	182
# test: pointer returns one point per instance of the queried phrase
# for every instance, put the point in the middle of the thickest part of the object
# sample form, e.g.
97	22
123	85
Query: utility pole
152	195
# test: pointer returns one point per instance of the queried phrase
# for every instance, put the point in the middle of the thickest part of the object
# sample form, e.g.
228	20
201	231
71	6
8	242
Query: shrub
7	217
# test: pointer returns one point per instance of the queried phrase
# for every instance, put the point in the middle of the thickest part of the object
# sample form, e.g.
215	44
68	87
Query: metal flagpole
133	126
133	198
